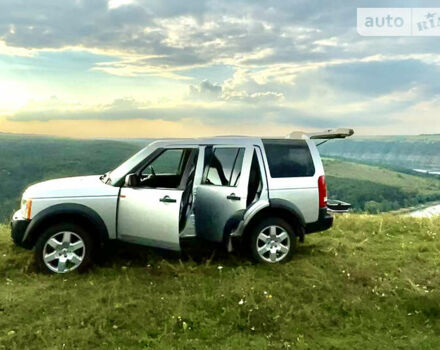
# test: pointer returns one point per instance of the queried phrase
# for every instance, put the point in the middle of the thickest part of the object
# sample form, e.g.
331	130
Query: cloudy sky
154	68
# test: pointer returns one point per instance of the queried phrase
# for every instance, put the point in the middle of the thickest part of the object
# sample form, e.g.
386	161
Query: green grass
372	282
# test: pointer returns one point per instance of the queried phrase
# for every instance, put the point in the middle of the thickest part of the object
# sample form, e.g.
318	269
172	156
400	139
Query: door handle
233	197
167	199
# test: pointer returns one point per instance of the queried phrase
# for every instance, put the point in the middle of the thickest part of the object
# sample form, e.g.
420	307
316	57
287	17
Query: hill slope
372	282
408	152
25	160
373	188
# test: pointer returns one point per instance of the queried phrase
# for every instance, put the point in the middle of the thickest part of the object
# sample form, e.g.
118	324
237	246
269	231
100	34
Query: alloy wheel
64	252
273	244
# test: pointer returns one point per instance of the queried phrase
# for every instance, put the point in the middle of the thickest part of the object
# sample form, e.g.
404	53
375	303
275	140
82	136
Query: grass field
372	282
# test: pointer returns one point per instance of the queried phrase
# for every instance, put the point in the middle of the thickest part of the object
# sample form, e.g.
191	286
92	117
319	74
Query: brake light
322	189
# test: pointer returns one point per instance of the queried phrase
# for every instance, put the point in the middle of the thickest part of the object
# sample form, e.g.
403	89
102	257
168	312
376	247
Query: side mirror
131	180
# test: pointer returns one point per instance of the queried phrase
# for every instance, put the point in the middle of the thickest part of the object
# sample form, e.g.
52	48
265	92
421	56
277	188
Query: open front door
223	188
149	213
150	217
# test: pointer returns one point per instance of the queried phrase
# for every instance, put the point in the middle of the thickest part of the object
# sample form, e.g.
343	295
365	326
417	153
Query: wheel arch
279	208
71	212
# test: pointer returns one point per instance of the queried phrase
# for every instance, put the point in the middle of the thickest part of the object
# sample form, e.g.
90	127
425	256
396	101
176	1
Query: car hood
81	186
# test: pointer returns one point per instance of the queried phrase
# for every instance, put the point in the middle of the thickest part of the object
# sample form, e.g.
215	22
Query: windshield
128	165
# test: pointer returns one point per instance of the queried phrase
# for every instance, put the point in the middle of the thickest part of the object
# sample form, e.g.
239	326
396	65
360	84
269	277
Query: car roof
223	140
217	140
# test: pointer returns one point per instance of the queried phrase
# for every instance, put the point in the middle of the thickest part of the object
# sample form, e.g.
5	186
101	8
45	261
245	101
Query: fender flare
278	203
66	209
236	225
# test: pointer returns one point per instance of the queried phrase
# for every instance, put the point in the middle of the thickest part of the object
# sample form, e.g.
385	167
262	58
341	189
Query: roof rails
340	133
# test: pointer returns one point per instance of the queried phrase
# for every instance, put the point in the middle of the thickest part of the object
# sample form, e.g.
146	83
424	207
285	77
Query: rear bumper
19	226
325	221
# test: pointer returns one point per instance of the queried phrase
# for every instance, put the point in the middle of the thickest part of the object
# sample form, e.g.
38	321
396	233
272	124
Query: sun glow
12	96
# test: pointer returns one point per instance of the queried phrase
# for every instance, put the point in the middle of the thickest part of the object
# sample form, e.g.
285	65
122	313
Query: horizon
355	136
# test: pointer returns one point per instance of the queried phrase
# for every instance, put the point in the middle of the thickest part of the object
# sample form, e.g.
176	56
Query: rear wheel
272	240
63	248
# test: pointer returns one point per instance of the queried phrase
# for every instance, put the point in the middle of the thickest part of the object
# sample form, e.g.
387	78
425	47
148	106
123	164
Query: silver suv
265	193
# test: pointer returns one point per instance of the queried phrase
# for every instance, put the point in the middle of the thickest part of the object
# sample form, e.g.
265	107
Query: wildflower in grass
220	267
241	302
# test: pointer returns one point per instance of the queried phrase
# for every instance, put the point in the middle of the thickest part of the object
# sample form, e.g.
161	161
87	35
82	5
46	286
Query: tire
63	248
272	240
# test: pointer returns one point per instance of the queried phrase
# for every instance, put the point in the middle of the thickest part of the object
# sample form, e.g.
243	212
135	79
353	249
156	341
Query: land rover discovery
266	193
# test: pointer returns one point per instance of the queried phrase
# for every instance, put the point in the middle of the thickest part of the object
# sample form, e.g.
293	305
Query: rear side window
289	158
224	167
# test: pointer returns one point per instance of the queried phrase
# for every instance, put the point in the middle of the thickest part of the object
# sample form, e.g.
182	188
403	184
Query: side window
168	163
224	166
166	170
289	158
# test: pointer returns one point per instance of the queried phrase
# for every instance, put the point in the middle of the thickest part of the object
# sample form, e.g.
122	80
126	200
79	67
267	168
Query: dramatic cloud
298	62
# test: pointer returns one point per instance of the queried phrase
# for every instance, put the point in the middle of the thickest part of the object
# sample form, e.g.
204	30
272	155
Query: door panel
150	217
215	203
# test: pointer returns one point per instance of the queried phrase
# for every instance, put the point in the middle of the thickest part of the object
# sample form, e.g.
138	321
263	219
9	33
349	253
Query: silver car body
150	216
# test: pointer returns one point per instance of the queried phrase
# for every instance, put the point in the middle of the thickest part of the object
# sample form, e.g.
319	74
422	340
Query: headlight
26	208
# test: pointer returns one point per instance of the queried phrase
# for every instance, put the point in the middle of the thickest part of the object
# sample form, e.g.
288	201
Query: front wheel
272	240
63	248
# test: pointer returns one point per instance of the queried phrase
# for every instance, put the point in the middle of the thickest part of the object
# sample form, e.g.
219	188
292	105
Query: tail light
322	189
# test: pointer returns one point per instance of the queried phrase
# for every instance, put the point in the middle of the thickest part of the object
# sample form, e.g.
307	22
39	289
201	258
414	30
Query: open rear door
340	133
223	190
333	205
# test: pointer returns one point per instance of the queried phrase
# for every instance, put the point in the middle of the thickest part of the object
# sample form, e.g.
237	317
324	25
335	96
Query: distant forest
407	152
26	160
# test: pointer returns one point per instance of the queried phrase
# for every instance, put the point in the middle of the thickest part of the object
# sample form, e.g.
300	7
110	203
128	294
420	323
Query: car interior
255	185
166	170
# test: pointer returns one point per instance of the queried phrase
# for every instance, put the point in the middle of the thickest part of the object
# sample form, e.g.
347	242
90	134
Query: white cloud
113	4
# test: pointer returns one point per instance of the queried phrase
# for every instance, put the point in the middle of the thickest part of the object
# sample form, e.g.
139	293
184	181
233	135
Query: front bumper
325	221
19	226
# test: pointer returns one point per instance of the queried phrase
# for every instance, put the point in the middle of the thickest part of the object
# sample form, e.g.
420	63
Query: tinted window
289	158
224	167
